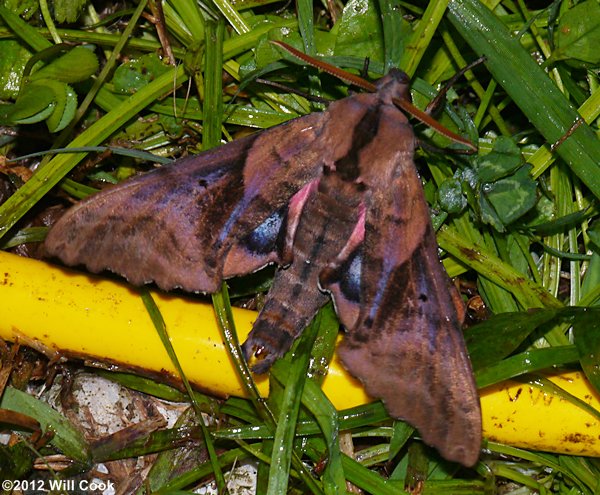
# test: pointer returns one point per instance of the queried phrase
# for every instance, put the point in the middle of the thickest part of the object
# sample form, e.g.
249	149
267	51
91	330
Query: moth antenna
432	148
330	69
429	121
404	104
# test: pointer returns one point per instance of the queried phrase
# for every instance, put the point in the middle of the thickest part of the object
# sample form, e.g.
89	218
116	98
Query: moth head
394	86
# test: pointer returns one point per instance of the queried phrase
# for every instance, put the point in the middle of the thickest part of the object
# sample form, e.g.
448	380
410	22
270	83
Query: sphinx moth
335	200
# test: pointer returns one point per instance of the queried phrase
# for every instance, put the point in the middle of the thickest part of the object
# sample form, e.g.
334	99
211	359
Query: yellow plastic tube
530	417
97	319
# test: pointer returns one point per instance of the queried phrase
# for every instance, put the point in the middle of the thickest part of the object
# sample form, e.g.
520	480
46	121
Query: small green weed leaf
359	31
450	196
76	65
64	111
171	125
48	100
529	86
502	189
267	53
12	63
68	10
34	118
137	73
578	34
325	41
488	214
30	107
46	95
512	197
503	160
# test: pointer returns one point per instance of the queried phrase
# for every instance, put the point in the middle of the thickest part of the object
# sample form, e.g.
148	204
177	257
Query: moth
335	200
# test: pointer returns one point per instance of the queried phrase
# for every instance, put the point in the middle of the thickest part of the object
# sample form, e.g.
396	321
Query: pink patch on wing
295	207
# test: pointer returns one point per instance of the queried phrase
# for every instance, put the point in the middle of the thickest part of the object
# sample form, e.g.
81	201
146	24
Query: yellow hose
96	319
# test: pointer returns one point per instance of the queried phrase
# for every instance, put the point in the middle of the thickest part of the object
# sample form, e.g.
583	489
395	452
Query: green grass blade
283	443
26	32
67	439
422	35
394	35
368	480
327	422
527	292
213	91
161	330
526	362
226	326
306	25
500	335
233	17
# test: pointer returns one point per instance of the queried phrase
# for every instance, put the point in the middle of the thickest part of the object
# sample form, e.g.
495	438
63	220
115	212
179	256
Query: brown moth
334	199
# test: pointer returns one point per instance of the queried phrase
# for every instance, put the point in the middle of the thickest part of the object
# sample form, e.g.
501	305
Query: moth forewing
334	195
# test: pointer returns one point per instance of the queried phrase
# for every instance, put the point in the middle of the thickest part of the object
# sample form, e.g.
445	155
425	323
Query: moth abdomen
279	323
271	337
